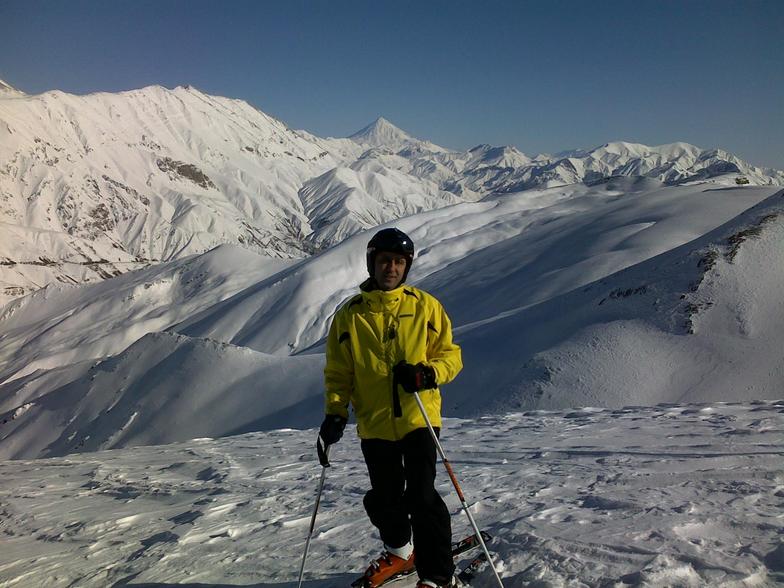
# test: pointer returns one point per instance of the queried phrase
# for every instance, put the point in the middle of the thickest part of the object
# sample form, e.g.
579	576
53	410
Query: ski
458	548
469	570
468	543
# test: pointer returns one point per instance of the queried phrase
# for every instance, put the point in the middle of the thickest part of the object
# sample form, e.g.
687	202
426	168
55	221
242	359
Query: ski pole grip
452	477
323	452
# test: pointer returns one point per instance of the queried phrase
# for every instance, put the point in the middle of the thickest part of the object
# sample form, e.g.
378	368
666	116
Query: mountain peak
380	133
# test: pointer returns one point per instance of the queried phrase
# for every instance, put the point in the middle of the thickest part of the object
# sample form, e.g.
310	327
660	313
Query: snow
696	323
618	421
164	387
95	186
684	491
668	495
347	201
143	176
629	293
65	323
382	133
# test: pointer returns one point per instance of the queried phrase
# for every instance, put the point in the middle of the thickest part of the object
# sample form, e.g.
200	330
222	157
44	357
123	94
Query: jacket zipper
390	334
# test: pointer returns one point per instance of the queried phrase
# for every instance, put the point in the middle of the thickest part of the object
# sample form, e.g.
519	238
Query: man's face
389	269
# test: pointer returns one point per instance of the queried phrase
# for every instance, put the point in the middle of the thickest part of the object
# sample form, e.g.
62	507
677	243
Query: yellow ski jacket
369	335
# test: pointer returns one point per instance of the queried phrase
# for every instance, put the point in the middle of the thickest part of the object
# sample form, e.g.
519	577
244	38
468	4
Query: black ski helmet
392	240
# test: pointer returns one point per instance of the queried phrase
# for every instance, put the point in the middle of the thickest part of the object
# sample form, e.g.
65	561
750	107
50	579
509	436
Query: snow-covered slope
702	322
146	175
672	495
482	258
163	388
61	324
346	201
578	333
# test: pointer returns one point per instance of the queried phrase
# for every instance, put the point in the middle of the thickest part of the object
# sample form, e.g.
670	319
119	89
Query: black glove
330	433
414	378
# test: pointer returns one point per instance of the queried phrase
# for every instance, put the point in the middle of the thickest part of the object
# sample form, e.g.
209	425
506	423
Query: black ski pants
403	499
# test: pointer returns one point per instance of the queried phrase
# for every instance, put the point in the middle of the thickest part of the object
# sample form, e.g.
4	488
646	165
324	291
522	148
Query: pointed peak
380	133
381	121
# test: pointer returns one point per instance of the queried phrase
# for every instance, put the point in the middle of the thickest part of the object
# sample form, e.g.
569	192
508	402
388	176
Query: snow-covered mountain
347	200
630	292
700	322
581	286
382	133
94	186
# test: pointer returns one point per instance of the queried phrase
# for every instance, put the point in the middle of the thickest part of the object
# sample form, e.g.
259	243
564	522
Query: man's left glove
330	433
414	378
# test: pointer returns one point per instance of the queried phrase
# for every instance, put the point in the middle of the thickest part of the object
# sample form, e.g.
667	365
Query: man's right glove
330	433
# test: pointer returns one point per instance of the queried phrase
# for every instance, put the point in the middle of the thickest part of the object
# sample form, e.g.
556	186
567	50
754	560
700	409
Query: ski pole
313	518
452	477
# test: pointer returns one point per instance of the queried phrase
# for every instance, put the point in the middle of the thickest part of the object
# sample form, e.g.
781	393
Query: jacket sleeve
443	354
339	370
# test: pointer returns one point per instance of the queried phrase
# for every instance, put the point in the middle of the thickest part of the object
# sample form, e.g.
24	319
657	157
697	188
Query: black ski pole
315	511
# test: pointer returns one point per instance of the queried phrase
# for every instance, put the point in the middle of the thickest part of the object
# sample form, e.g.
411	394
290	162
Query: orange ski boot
386	568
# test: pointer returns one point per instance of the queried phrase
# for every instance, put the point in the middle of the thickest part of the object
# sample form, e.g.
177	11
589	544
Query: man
394	337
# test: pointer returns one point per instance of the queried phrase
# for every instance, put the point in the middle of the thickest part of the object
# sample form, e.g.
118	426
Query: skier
388	337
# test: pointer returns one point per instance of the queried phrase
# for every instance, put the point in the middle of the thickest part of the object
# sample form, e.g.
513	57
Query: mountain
632	292
618	308
696	323
382	133
672	164
347	200
94	186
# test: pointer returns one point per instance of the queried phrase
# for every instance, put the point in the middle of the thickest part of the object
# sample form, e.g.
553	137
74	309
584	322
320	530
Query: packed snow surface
670	495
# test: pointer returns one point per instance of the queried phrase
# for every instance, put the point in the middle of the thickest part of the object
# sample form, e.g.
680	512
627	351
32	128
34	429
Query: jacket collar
379	300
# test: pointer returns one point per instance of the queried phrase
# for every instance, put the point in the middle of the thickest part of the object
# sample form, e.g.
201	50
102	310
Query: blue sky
543	76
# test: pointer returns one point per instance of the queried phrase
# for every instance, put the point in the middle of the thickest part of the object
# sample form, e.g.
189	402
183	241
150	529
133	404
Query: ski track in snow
670	495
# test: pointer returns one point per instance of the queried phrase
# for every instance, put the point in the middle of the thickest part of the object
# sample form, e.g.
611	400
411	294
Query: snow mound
699	323
63	324
163	388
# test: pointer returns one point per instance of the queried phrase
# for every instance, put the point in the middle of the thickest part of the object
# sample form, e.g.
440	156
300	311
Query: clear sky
544	76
